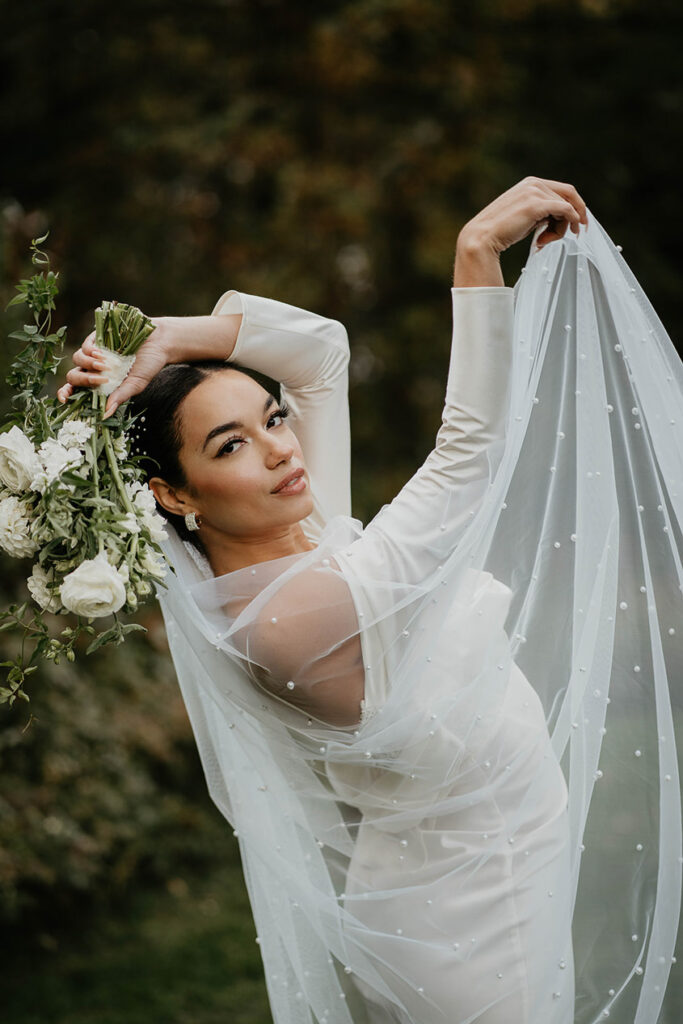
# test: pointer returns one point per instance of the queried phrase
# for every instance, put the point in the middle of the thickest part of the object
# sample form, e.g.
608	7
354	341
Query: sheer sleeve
308	354
412	535
303	641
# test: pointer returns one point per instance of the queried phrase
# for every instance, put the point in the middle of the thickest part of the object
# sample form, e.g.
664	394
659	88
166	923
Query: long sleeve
304	641
308	354
409	537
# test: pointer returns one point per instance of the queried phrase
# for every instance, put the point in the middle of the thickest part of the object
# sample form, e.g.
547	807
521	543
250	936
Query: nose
279	451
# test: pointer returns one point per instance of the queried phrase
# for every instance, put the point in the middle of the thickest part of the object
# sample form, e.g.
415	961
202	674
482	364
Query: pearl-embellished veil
497	838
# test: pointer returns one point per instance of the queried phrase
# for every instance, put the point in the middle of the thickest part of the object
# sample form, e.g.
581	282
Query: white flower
39	589
18	460
133	488
129	523
155	524
143	497
44	532
94	589
54	459
75	434
15	526
144	500
121	447
152	563
123	570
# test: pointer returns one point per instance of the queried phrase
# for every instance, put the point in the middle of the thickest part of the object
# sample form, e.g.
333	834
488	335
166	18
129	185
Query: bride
403	723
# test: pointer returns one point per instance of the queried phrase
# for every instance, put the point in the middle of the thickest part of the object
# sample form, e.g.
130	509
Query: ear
170	498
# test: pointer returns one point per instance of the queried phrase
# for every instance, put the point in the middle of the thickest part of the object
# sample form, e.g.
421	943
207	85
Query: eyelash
282	411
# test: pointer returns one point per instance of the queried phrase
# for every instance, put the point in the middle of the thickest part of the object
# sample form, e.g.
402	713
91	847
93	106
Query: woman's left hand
510	218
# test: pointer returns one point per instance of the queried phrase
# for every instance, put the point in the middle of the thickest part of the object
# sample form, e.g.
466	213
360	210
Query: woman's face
243	464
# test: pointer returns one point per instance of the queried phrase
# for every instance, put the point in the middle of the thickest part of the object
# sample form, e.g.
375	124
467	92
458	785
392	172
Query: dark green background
325	154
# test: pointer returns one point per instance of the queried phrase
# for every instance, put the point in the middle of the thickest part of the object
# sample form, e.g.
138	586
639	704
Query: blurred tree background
326	154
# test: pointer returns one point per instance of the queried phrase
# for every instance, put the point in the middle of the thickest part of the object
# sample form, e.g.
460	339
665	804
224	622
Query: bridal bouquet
71	494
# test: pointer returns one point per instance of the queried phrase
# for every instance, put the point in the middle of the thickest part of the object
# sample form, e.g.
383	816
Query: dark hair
156	433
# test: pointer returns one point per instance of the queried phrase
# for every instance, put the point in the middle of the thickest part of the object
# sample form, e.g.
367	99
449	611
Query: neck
228	553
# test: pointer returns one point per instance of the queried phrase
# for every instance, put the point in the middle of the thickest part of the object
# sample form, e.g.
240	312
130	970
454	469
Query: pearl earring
192	521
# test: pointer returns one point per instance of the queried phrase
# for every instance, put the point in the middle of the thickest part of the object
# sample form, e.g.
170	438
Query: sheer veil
522	662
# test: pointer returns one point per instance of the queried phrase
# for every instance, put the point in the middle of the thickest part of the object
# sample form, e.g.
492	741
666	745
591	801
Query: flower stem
120	486
69	408
95	471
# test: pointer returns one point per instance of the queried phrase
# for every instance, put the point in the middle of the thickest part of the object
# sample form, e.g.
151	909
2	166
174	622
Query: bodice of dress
408	539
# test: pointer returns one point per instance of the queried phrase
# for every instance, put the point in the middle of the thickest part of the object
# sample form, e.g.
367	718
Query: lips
288	480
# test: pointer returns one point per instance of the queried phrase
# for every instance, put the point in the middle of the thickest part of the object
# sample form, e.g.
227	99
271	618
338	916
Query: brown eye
280	414
229	447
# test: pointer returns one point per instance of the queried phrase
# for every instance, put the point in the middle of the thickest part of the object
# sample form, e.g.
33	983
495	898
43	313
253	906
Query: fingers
92	362
552	189
113	402
85	378
88	369
568	191
132	385
555	229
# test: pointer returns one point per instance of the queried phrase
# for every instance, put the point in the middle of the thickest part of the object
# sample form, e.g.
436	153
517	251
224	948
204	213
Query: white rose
75	434
94	589
18	460
15	526
54	459
39	589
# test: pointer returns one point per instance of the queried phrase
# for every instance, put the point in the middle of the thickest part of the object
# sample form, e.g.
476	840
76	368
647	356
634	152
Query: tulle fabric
447	742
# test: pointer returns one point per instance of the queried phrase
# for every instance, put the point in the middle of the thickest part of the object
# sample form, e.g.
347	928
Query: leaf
131	627
73	478
104	638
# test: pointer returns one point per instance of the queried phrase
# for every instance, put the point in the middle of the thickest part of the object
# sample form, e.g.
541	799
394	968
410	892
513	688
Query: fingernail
110	412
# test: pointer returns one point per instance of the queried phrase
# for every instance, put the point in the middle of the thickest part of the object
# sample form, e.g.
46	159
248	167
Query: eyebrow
224	428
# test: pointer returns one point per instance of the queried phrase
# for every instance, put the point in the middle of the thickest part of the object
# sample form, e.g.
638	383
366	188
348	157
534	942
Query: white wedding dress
410	845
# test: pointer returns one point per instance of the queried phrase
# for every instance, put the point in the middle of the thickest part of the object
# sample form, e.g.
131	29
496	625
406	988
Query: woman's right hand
175	339
89	370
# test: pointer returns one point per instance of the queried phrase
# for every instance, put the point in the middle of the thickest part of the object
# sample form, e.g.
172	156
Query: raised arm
308	354
413	534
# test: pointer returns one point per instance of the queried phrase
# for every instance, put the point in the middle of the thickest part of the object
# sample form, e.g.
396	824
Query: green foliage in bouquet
71	495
